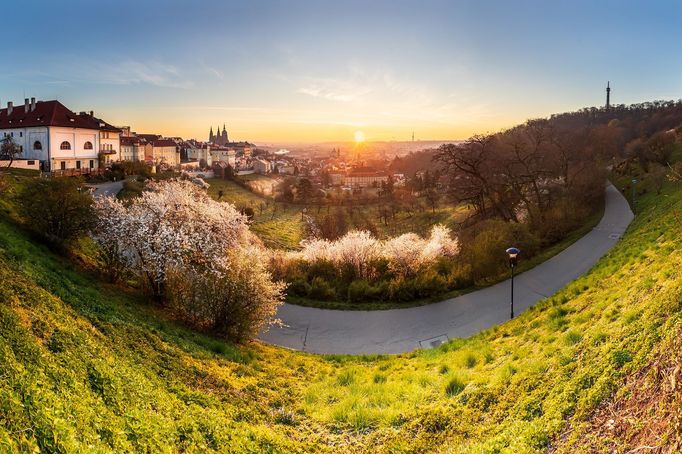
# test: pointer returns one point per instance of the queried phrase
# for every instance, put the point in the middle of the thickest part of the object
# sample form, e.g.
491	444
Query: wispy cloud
137	72
70	71
213	71
334	89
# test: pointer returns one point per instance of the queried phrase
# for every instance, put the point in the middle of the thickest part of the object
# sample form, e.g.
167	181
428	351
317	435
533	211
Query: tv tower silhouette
608	95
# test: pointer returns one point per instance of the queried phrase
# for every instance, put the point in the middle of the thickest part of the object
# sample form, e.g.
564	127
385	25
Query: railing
76	172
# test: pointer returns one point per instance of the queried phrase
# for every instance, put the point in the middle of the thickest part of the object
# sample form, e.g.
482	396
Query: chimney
10	107
25	105
33	104
92	113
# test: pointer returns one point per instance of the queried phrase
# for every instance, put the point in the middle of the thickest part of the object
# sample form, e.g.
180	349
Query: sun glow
359	136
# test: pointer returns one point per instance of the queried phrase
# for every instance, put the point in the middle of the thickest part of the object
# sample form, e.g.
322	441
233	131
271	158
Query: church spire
210	135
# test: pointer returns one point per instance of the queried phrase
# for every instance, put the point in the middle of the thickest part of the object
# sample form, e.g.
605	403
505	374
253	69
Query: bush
361	290
59	210
320	289
484	248
235	303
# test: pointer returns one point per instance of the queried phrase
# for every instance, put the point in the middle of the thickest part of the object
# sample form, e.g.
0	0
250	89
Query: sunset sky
321	71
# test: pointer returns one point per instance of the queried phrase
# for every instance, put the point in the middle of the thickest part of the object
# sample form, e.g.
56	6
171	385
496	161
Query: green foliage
59	210
482	244
454	387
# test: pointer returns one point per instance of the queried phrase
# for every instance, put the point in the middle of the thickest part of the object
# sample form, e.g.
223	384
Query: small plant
379	378
470	361
621	357
454	387
345	378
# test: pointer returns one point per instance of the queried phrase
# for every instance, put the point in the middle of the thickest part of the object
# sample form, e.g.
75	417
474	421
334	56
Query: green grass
277	224
89	367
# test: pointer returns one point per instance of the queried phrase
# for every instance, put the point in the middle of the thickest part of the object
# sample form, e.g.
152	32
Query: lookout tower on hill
608	96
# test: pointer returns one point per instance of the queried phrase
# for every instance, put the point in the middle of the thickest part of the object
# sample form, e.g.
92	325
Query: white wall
26	137
77	138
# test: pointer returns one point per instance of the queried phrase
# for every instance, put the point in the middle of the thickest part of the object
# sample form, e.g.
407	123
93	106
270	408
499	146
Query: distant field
279	224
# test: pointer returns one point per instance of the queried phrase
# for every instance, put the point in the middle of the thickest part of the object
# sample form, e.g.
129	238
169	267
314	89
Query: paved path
401	330
109	189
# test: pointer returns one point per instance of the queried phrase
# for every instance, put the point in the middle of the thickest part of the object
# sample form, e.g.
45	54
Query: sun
359	136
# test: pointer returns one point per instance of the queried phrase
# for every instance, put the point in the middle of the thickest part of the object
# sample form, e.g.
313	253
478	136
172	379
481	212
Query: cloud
133	72
73	70
212	71
334	89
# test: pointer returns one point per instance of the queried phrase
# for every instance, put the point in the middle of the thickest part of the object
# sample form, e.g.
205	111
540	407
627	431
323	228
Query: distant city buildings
70	143
364	177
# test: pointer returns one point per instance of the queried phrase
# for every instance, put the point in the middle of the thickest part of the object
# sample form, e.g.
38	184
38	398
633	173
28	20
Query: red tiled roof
149	137
47	113
366	174
130	140
164	143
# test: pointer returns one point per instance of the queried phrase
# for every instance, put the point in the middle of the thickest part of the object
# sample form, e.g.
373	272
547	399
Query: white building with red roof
59	138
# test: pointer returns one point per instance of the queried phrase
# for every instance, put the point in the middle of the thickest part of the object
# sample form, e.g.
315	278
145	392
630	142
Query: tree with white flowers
176	239
406	254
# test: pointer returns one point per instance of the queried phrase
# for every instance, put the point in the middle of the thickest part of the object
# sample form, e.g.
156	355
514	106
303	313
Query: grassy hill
86	366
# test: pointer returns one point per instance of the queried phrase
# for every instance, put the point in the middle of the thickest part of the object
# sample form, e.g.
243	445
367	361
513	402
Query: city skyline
443	70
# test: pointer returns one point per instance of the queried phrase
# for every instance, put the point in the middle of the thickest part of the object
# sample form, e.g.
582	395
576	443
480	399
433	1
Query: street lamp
513	258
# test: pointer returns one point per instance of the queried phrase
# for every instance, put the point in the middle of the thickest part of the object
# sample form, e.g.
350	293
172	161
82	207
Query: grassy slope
87	365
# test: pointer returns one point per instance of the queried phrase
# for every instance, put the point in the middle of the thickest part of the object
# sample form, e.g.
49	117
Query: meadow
90	366
280	224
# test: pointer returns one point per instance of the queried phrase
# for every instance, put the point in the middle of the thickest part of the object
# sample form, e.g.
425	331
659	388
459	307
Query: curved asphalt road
401	330
108	189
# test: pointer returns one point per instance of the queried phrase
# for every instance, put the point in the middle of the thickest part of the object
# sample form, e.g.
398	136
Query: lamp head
513	252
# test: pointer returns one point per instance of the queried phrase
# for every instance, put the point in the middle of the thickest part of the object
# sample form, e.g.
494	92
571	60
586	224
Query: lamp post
513	258
634	193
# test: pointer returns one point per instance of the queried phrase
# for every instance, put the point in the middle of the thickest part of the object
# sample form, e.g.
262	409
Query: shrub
454	387
58	209
621	357
362	290
320	289
486	242
235	302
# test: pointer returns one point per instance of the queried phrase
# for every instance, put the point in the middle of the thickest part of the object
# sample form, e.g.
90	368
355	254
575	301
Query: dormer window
87	146
65	146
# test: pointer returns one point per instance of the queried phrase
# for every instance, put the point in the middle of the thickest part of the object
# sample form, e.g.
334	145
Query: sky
315	71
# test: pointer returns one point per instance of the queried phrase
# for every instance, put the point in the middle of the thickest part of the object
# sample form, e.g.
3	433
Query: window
78	164
65	146
63	165
21	134
92	164
37	145
31	163
87	146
